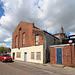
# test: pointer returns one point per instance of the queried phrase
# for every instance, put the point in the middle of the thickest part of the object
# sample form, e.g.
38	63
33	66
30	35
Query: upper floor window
20	29
37	40
16	42
23	38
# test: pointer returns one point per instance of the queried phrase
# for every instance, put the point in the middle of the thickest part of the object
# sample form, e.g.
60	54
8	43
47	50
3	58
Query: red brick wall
52	55
30	32
67	60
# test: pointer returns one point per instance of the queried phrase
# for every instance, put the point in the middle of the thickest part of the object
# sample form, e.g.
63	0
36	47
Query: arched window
16	41
23	42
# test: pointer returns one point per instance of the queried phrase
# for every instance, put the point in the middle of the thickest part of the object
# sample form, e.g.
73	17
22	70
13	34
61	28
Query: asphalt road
17	69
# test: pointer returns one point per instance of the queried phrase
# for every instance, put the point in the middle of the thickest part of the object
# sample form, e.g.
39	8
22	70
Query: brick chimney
61	29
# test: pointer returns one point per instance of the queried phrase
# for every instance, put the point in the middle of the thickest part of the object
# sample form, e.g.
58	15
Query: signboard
70	41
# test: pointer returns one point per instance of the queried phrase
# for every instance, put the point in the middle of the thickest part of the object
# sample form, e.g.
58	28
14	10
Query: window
32	55
20	29
16	43
38	55
37	40
23	38
18	55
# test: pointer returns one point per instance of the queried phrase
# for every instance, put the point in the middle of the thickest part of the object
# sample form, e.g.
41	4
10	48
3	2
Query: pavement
59	69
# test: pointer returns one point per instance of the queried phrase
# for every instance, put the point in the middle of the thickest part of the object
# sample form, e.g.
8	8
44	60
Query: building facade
30	44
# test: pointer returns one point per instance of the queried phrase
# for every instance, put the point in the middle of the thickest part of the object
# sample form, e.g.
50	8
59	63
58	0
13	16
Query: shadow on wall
47	55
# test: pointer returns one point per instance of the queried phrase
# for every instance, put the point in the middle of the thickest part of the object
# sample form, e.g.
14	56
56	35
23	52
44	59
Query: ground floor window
32	55
38	55
18	55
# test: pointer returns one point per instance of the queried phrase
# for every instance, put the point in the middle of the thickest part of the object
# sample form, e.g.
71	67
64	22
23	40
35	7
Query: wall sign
70	41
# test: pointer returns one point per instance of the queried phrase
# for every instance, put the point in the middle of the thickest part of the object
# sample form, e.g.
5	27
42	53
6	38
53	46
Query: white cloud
49	15
4	34
8	40
54	12
5	45
8	46
72	33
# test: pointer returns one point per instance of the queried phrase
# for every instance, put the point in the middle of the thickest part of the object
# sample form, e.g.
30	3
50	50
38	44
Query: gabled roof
25	24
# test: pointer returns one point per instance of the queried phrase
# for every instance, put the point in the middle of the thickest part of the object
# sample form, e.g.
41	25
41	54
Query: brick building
30	44
63	54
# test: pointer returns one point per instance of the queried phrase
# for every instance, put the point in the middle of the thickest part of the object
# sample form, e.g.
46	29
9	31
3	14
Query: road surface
17	69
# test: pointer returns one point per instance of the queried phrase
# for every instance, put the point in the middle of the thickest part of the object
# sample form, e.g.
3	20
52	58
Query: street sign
70	41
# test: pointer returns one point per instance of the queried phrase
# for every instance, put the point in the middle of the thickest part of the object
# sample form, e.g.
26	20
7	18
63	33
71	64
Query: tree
9	50
2	49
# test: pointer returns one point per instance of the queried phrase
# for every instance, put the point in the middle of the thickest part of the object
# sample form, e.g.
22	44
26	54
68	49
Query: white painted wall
29	50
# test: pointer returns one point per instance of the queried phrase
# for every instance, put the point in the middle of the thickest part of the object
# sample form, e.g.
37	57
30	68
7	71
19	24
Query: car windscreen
6	55
1	54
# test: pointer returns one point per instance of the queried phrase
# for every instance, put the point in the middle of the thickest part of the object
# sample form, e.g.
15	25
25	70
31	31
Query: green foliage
2	49
9	50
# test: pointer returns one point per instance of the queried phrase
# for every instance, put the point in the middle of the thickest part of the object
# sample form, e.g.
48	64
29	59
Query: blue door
59	55
25	56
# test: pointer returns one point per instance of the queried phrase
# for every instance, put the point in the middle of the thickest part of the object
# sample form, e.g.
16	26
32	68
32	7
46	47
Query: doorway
13	55
25	56
59	55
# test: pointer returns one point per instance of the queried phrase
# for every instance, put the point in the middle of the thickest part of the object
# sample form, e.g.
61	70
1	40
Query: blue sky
1	9
47	15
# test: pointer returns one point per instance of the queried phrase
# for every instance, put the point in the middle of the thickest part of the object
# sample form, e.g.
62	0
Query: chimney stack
61	29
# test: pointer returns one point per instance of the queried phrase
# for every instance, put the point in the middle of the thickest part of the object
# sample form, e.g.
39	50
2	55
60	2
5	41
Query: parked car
5	57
